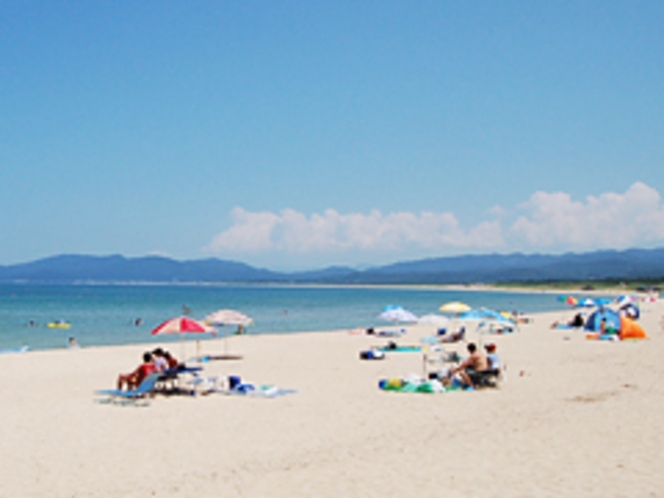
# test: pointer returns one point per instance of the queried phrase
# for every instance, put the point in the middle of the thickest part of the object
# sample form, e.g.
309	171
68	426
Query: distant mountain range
492	268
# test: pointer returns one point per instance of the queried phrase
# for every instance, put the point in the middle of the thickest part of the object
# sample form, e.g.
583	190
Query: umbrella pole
425	358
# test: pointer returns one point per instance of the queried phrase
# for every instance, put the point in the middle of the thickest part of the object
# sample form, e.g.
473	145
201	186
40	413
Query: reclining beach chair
146	388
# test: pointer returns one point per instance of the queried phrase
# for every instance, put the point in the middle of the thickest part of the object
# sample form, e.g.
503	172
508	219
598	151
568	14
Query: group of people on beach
156	361
476	369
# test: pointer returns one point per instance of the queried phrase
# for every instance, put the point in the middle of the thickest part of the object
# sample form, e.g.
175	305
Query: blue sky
305	134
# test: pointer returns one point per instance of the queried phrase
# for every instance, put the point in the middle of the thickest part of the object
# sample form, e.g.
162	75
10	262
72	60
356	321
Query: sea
101	315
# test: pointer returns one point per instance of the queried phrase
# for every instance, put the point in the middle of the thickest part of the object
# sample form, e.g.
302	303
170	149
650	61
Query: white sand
584	419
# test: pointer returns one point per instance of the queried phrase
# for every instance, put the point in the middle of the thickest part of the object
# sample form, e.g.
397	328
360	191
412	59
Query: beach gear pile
372	354
239	388
415	384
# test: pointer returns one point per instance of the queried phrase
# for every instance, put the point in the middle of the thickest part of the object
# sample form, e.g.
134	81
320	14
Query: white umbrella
398	315
228	317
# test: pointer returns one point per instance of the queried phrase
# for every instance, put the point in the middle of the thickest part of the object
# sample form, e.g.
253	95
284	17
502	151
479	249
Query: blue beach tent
594	320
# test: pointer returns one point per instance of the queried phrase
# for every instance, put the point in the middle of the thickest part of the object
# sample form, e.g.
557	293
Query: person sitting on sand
133	380
474	364
575	322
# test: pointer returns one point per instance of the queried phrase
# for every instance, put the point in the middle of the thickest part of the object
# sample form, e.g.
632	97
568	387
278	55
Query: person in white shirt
160	362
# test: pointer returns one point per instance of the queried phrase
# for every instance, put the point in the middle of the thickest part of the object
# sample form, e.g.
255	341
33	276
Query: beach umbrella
484	314
487	320
471	315
623	300
499	316
571	300
228	317
588	303
182	325
454	307
398	314
630	311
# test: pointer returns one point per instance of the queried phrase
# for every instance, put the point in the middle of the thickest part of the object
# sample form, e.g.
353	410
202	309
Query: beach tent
594	320
629	329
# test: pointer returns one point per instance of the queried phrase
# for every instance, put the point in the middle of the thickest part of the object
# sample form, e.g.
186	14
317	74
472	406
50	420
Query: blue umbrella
484	314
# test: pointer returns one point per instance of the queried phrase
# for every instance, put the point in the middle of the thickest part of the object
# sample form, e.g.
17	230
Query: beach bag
372	354
233	381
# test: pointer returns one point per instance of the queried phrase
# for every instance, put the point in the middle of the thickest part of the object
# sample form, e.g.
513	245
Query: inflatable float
58	324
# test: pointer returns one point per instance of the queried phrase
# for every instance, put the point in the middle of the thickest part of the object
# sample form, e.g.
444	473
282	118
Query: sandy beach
572	418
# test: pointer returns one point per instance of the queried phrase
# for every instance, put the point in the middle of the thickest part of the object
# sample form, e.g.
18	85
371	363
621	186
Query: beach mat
400	349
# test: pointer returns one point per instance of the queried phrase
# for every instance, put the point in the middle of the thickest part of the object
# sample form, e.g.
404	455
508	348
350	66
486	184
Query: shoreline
303	328
526	289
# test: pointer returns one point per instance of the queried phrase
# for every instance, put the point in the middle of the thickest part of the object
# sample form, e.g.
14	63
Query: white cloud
549	220
611	220
497	211
293	232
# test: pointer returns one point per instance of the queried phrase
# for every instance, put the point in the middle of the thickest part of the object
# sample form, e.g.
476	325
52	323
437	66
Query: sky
304	134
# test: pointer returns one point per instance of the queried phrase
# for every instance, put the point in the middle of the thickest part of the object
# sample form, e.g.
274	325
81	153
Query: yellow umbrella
455	307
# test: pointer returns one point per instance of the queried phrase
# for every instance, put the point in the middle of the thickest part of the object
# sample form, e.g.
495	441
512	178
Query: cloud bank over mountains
547	221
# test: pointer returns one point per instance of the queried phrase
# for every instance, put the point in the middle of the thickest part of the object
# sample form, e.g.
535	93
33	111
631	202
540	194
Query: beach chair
146	388
487	378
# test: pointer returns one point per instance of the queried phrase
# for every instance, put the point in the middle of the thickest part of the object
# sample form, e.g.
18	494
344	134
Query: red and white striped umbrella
182	325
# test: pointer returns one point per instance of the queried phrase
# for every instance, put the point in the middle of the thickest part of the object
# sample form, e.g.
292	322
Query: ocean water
106	314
